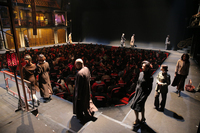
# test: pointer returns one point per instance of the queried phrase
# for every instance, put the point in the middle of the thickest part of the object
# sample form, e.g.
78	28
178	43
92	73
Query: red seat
121	84
115	92
68	90
59	85
100	101
125	100
56	67
94	88
121	104
58	76
61	95
72	78
99	98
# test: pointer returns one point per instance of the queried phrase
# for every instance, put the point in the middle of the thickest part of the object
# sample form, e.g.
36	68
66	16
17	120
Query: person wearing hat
29	74
83	106
163	80
44	79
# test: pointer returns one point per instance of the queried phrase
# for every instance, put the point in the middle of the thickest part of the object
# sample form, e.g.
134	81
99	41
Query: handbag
176	80
189	87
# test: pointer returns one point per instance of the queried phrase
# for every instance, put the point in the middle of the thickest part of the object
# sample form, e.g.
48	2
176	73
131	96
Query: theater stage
181	114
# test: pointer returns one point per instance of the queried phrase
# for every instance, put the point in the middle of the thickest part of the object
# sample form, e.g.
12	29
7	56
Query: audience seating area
114	70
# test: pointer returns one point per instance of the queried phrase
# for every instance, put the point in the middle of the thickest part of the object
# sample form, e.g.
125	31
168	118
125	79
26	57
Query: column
6	43
21	39
1	43
56	36
66	35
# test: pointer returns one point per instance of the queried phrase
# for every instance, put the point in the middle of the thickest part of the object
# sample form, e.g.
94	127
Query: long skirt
179	81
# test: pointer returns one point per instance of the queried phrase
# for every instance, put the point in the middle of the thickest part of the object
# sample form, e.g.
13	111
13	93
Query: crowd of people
110	67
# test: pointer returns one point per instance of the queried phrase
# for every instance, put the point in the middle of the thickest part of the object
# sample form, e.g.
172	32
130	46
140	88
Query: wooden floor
181	114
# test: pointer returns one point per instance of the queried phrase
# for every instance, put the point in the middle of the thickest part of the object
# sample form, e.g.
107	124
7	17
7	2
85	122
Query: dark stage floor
180	116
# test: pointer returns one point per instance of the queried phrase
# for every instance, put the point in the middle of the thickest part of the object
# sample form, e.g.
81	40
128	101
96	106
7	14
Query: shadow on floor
143	128
187	97
75	124
173	115
25	127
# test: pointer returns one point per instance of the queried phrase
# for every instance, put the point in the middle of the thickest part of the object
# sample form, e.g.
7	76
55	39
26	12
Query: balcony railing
28	23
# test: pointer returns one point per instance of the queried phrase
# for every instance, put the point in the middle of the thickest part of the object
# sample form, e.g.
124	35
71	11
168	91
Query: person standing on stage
167	43
163	81
83	106
70	38
44	79
123	39
181	73
26	41
132	42
143	89
29	74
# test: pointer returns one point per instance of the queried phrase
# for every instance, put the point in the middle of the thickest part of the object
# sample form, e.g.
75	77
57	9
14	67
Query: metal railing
8	76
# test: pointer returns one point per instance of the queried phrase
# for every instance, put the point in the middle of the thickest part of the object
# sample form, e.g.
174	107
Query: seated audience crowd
114	70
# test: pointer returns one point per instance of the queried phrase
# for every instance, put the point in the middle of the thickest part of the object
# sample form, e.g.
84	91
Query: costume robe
82	102
29	74
143	89
44	80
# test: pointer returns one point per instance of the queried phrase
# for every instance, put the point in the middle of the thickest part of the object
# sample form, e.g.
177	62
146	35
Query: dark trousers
163	101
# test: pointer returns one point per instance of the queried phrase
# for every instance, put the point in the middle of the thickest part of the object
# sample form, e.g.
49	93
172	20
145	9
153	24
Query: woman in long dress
181	73
143	89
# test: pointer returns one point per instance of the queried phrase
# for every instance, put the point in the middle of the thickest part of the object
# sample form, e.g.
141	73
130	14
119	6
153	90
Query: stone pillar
6	43
21	39
66	35
56	36
1	43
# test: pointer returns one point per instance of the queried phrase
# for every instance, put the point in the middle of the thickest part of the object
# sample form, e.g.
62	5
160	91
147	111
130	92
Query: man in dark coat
26	41
83	106
44	80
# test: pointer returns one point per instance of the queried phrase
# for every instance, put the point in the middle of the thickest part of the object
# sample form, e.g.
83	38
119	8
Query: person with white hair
83	106
44	79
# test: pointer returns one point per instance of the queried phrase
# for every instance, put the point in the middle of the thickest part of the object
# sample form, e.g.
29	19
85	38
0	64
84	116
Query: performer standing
44	80
132	42
143	89
29	74
123	39
167	43
83	106
181	73
70	38
26	41
163	81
